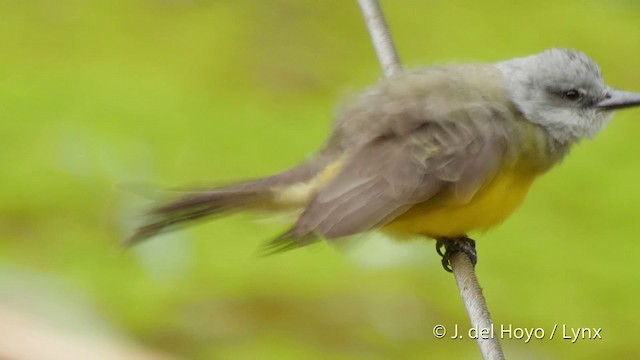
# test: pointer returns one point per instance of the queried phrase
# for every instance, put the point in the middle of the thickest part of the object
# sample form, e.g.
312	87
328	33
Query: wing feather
384	178
415	136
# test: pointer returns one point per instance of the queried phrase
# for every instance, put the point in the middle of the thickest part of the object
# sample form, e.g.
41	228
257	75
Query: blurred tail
199	205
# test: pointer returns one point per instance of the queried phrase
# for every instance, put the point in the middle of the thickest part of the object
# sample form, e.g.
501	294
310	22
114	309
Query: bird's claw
453	245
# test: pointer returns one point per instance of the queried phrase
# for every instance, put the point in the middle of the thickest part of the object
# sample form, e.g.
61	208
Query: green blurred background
98	95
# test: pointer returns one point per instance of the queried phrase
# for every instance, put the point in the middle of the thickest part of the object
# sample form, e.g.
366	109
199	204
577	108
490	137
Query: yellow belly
443	217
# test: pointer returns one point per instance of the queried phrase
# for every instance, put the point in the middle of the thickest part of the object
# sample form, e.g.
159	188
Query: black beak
617	99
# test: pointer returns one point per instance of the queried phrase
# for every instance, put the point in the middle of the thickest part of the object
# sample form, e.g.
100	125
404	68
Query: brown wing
385	177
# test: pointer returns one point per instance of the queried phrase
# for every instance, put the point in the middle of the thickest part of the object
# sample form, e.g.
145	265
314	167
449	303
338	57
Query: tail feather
197	206
203	204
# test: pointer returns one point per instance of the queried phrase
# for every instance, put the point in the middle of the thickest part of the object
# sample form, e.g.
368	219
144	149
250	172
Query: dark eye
572	95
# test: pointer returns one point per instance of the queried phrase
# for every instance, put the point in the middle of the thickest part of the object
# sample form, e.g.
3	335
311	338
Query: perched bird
434	152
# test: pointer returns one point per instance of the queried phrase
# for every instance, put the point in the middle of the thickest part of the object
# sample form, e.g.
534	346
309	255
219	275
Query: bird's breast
444	216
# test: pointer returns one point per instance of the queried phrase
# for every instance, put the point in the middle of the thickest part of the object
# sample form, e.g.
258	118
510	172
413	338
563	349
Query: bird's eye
572	95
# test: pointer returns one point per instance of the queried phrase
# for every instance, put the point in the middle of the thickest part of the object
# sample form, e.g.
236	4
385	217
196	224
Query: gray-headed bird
434	152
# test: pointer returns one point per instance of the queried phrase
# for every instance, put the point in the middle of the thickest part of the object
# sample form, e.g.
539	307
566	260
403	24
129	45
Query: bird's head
563	91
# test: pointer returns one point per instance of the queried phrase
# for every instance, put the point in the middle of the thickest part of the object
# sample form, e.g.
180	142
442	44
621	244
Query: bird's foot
454	245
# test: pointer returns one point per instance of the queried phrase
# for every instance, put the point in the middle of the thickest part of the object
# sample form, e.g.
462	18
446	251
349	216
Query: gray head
563	91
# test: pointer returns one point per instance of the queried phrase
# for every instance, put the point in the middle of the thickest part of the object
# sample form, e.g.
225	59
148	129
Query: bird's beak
617	99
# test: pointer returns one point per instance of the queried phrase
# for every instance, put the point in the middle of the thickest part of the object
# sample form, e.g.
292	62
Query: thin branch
474	301
380	36
461	265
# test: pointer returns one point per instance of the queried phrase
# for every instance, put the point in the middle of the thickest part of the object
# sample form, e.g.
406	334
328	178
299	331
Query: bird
433	153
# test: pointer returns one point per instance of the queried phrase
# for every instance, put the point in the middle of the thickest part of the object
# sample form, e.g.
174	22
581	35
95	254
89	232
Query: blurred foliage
98	96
